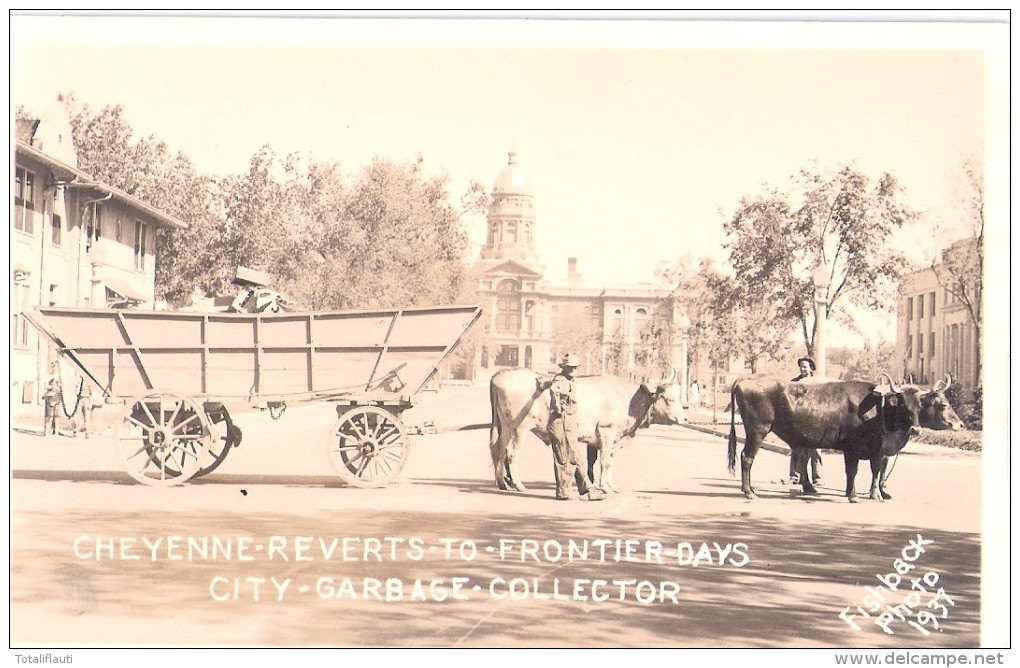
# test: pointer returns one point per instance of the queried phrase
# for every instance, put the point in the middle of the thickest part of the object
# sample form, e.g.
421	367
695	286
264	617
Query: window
19	325
931	344
640	321
508	307
920	345
140	237
910	308
24	199
529	318
617	325
508	356
95	226
511	232
920	306
931	304
910	346
57	229
53	294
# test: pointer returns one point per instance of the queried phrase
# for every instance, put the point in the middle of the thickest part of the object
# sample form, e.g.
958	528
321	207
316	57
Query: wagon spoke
172	420
364	465
190	437
361	435
391	430
144	426
191	418
152	418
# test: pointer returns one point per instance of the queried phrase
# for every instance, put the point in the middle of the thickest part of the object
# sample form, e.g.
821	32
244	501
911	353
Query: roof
511	180
24	128
77	178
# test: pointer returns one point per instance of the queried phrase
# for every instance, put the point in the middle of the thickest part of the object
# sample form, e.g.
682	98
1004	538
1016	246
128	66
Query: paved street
441	558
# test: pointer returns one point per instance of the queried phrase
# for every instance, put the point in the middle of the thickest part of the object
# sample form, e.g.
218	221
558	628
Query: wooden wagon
175	373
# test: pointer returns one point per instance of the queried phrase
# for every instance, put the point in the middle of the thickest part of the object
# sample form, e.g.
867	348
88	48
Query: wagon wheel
164	439
368	447
225	435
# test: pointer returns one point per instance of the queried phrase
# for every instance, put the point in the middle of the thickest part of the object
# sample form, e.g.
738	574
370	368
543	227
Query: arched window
640	321
508	306
617	324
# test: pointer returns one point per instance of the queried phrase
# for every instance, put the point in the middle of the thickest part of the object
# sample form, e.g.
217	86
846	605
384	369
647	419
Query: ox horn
889	382
669	379
939	387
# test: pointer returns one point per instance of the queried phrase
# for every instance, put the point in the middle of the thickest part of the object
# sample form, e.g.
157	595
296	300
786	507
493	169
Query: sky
638	138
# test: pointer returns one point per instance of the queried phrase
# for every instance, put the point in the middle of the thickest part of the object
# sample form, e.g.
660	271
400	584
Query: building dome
511	181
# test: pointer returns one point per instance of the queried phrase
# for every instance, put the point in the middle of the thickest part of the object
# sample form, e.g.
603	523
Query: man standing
51	403
806	366
563	430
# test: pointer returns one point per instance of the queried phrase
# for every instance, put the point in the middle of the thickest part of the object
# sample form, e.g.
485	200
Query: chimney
572	274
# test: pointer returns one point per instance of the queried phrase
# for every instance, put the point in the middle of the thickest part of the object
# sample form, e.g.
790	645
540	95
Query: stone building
531	320
75	242
935	334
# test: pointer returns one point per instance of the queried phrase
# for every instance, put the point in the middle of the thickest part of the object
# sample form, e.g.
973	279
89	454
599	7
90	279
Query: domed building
532	320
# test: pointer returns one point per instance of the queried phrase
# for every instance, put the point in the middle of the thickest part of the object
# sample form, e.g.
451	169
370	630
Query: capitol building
531	321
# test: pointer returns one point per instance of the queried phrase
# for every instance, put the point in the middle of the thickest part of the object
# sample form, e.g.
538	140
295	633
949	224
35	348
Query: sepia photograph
461	331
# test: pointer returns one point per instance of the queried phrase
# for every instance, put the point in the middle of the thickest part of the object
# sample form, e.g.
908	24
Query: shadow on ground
780	584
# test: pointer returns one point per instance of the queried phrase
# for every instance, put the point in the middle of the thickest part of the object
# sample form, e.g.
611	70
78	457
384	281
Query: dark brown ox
864	420
610	410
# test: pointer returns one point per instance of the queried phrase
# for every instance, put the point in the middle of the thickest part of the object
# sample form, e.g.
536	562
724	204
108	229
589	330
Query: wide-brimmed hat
571	360
811	362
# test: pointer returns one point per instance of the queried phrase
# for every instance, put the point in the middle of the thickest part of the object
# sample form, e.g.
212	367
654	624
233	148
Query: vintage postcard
434	331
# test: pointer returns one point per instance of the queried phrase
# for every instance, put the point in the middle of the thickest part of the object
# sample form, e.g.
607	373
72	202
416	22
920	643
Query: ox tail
731	452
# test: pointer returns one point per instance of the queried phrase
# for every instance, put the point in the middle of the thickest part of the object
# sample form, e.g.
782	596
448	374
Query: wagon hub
158	438
369	448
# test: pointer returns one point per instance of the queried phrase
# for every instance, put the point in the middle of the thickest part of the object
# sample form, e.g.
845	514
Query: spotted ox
864	420
610	410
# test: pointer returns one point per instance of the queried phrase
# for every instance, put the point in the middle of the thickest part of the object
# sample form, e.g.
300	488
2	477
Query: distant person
51	403
806	366
84	422
694	396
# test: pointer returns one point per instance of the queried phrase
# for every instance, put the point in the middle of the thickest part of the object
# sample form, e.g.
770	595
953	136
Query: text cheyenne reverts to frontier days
347	549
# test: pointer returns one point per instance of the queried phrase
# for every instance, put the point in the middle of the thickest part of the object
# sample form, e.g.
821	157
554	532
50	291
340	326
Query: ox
863	420
936	413
610	410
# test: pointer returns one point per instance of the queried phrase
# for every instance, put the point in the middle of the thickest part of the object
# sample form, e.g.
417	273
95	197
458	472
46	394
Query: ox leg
594	468
607	441
879	471
513	480
850	461
802	458
500	468
747	456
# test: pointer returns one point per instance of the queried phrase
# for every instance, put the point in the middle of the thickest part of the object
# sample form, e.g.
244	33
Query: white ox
609	411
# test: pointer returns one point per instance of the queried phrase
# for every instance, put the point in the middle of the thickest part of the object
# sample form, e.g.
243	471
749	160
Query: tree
576	331
960	270
871	361
836	219
148	170
389	238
